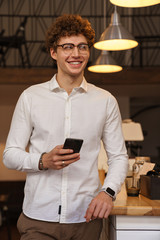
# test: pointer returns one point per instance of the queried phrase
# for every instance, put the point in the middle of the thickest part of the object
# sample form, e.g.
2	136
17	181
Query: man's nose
75	51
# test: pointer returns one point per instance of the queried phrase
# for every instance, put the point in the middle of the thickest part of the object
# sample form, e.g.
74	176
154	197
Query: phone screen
73	143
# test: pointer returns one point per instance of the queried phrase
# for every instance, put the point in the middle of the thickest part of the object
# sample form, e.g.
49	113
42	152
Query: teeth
75	63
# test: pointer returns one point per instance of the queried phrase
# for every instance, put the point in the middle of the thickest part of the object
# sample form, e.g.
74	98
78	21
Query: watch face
110	191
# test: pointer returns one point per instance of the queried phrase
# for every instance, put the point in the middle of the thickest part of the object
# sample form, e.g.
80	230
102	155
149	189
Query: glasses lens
68	48
83	48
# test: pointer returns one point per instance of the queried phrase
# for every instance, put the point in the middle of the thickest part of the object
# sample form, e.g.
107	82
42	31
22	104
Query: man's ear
53	53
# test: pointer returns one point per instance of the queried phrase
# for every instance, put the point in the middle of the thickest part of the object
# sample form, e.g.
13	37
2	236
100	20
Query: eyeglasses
69	47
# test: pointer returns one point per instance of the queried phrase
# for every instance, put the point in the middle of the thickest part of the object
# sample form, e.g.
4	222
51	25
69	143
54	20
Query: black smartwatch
110	192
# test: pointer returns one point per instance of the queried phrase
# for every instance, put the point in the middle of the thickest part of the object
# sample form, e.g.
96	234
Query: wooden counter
135	206
133	218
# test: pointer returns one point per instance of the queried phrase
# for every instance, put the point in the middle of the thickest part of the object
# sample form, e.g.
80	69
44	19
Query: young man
63	196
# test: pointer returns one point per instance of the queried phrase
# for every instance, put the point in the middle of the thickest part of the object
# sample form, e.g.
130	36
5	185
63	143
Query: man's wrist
110	192
41	167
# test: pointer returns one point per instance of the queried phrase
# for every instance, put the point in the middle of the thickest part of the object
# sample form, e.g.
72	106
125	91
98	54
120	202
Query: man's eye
83	47
68	47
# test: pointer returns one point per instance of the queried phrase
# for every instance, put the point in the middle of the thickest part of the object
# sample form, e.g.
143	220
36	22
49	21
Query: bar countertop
135	206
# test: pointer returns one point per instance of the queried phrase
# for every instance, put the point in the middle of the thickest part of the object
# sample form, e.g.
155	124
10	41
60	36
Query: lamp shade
116	37
134	3
132	131
105	64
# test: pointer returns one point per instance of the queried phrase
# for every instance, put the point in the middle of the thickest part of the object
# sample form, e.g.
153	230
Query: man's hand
100	207
59	158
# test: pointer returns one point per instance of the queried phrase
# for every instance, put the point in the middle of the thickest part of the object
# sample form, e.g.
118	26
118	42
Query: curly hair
69	25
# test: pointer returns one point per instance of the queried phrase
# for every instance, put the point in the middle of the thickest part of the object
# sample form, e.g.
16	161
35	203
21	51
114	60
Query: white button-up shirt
44	116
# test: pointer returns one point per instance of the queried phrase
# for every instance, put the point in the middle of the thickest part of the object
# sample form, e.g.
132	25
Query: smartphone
73	143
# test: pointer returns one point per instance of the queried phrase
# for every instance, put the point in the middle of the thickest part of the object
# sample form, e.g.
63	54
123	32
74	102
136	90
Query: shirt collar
55	86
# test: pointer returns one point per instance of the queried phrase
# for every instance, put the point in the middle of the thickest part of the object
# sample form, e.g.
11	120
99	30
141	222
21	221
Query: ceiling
141	65
143	23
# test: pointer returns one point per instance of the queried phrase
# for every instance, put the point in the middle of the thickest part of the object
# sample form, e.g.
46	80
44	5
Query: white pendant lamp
105	64
116	37
134	3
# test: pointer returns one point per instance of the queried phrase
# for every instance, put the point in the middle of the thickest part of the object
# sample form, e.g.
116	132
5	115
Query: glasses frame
70	51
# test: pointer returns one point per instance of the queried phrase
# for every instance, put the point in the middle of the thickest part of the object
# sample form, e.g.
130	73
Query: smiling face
71	64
